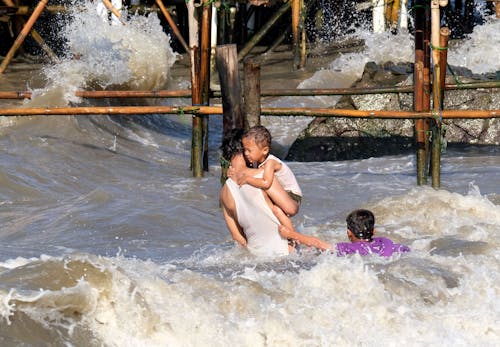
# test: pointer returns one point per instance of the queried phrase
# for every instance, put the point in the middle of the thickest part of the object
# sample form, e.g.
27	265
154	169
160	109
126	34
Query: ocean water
107	240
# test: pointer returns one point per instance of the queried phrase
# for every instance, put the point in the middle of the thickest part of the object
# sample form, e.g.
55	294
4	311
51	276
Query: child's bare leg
280	197
282	217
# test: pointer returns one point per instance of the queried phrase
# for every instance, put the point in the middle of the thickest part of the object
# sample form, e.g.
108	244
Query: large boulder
332	138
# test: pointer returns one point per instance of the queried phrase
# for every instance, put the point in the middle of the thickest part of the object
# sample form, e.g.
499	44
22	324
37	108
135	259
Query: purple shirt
379	245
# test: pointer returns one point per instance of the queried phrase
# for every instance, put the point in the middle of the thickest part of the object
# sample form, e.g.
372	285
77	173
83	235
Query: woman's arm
229	212
234	229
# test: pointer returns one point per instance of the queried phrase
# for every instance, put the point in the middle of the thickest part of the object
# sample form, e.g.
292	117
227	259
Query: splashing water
135	56
479	52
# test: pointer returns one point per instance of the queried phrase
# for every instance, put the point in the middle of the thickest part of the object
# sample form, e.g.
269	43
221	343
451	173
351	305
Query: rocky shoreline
330	139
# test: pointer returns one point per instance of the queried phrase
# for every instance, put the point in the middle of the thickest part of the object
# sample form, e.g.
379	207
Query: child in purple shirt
360	230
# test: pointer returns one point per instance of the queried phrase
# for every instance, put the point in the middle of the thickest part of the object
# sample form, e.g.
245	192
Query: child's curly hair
260	134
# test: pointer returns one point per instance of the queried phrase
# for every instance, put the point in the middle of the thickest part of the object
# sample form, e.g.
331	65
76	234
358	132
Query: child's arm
287	231
267	178
307	240
240	176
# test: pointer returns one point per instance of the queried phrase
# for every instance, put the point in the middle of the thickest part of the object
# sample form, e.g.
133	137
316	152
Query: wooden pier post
200	45
444	34
427	79
436	92
197	125
295	26
419	94
206	54
230	87
298	34
251	93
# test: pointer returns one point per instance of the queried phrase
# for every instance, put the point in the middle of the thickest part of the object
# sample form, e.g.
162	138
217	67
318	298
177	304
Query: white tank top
285	176
258	221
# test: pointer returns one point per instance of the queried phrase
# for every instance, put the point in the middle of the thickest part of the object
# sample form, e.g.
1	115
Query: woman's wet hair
361	223
231	144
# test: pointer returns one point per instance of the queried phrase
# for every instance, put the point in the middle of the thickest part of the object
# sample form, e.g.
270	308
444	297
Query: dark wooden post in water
437	40
251	93
421	88
197	125
298	33
444	34
206	33
230	87
439	77
199	41
427	80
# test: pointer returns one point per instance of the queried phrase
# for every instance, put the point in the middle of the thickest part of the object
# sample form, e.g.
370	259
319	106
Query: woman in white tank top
247	211
250	219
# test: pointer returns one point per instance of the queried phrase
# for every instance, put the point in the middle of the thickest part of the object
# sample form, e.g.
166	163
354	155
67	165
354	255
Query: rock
331	138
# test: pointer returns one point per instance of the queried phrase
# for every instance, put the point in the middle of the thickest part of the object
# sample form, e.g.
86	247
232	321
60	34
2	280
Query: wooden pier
242	106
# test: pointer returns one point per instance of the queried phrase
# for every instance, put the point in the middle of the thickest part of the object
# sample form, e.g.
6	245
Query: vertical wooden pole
295	32
436	88
418	94
298	34
197	121
427	69
197	125
22	35
395	9
303	36
206	52
444	34
251	92
230	87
